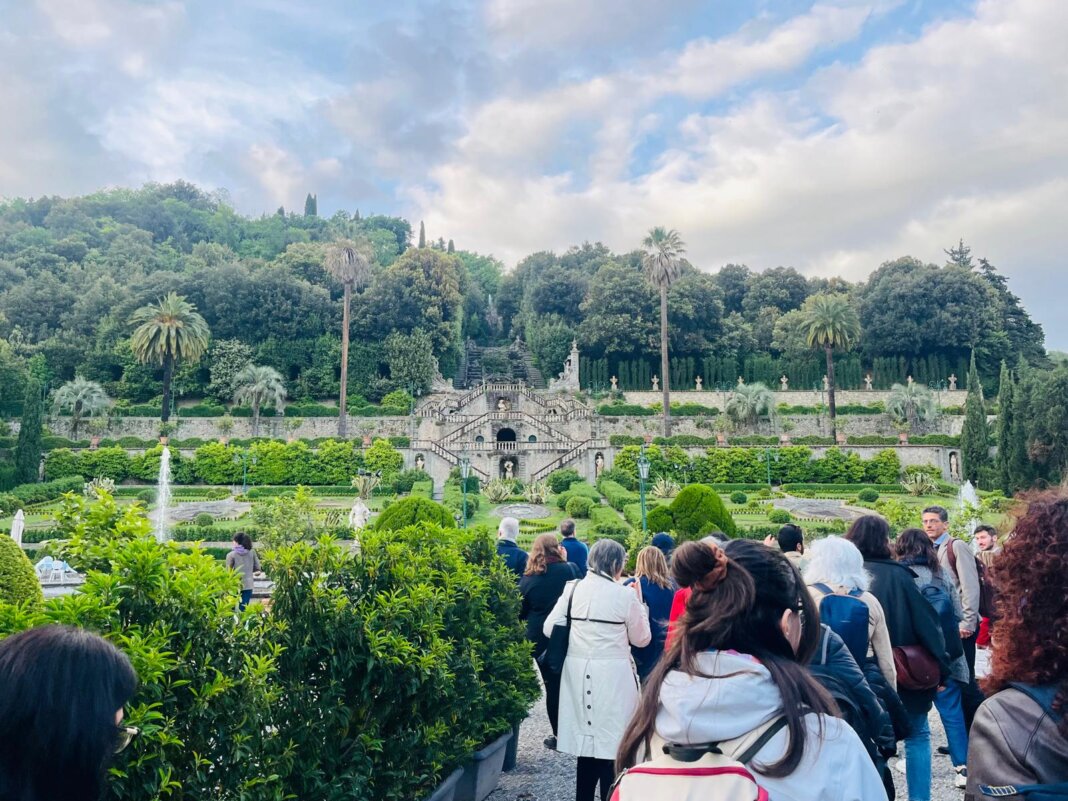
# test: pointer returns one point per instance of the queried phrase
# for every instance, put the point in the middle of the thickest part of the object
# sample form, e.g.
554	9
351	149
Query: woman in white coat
598	685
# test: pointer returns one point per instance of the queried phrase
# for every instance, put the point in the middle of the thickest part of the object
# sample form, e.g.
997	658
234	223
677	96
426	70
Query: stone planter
903	437
94	443
482	772
721	440
447	789
840	438
511	753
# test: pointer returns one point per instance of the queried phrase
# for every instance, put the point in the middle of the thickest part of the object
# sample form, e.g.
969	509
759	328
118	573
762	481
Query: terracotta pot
366	440
721	440
903	437
840	438
94	443
784	439
164	440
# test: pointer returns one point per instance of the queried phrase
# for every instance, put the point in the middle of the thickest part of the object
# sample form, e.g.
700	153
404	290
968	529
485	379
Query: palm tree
911	403
80	397
169	332
258	386
663	264
350	263
830	322
748	402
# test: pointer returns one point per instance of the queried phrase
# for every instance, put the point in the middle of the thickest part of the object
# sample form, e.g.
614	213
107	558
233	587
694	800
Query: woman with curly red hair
1020	734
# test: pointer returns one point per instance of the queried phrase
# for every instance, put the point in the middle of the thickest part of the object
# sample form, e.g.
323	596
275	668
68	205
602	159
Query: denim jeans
948	702
918	758
246	597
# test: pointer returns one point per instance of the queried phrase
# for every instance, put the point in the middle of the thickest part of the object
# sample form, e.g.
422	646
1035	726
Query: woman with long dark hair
62	691
736	664
911	621
546	575
1020	734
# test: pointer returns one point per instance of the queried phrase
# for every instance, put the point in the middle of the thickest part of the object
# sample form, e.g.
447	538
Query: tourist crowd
718	669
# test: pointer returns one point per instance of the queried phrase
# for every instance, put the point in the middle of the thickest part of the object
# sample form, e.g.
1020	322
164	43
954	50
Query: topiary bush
868	495
779	516
18	581
410	511
578	506
561	480
659	518
739	498
204	519
695	507
147	496
612	529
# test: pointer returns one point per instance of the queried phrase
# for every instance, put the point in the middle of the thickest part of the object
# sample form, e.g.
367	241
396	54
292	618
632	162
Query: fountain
163	495
968	504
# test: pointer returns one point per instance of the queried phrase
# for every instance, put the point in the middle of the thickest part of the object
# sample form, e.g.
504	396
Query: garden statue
598	466
826	383
785	383
656	384
568	380
699	382
867	381
359	515
909	381
953	382
502	405
508	467
615	383
954	466
420	462
741	381
439	383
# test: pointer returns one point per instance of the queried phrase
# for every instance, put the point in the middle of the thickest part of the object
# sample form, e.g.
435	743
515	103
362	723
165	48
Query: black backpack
938	597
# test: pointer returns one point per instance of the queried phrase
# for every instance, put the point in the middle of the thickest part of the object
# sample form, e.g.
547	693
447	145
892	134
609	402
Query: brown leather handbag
916	668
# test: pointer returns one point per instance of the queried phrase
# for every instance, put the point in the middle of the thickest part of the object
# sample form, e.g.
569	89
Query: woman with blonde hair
547	572
657	591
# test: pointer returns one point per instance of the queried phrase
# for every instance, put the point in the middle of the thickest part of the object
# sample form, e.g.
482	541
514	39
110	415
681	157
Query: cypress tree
451	248
28	447
311	205
975	437
422	235
1006	423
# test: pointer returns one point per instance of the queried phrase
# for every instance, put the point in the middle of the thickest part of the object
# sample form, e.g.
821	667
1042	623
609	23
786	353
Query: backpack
938	597
706	772
846	616
1043	696
986	588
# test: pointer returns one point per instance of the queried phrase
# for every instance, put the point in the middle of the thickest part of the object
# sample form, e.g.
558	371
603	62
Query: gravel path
544	775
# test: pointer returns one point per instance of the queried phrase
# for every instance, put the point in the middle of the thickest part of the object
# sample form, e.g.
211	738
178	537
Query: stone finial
698	381
867	381
615	383
656	384
953	382
785	383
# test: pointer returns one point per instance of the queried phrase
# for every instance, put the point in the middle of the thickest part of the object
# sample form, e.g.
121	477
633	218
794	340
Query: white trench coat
598	685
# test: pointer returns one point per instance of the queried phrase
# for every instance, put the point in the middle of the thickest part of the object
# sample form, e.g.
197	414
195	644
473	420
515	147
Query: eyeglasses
124	736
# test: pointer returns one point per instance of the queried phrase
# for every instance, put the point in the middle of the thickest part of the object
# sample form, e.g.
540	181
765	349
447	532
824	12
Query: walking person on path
658	591
244	560
598	684
911	621
546	576
576	549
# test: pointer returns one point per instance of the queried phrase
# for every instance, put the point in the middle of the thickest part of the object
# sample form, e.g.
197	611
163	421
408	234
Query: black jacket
910	620
833	658
513	556
540	592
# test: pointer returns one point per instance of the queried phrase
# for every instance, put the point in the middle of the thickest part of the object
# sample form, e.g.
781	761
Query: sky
830	136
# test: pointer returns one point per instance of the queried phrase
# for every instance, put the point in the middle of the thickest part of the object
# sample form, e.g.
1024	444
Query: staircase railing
440	450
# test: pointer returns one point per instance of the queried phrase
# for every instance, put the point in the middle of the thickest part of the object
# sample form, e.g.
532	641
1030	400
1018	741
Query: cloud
954	134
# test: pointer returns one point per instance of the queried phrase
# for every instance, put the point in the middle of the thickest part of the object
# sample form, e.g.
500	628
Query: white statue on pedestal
568	380
359	515
698	381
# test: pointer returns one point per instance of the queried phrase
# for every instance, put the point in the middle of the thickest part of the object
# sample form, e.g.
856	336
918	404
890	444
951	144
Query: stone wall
792	397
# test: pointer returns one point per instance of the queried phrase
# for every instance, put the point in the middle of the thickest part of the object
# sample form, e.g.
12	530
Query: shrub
779	516
406	480
613	529
147	496
868	495
695	507
578	488
18	581
410	511
29	494
739	497
621	477
561	480
659	519
204	519
382	456
617	495
61	463
536	492
498	490
665	488
624	410
578	506
216	463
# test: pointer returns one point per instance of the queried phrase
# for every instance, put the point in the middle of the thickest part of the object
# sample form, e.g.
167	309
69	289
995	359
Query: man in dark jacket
507	548
577	552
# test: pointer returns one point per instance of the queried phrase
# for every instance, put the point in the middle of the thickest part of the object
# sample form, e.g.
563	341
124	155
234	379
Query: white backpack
706	772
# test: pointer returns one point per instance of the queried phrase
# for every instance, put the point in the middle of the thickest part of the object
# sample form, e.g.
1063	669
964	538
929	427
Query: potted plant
722	426
840	437
903	429
786	427
165	431
482	773
97	427
292	424
446	791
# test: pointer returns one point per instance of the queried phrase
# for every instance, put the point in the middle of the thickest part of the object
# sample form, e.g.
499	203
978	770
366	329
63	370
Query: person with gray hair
508	549
598	683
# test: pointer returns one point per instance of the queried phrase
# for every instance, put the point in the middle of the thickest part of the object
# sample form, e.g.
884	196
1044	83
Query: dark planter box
511	753
482	772
447	789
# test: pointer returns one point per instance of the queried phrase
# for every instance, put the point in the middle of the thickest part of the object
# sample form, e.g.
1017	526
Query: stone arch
506	435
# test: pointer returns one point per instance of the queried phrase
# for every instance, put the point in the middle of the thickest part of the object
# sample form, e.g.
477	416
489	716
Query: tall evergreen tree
961	255
975	437
1005	427
451	248
28	447
422	234
311	205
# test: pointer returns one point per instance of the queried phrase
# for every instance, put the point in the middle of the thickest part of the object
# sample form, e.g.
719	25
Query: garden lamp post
643	476
242	457
465	471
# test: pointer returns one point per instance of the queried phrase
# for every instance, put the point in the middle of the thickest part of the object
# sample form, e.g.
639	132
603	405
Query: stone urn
366	440
94	442
784	439
164	440
840	437
903	437
721	439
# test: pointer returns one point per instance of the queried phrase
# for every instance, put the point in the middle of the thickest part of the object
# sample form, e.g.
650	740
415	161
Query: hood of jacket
735	696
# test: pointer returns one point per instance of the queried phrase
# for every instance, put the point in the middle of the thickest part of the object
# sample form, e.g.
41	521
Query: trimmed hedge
659	518
618	496
579	506
18	581
29	494
696	507
624	410
413	511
